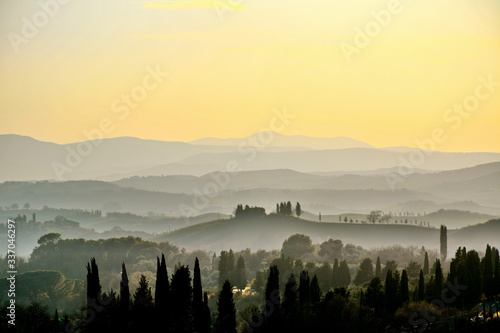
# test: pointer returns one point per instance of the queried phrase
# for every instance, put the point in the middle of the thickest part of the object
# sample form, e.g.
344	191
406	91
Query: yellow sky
231	64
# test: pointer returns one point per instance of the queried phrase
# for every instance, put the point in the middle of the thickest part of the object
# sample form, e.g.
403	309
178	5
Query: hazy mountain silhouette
281	140
24	158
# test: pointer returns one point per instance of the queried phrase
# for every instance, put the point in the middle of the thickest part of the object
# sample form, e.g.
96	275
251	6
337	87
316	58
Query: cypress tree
315	290
421	286
197	297
124	292
487	266
426	264
289	304
344	275
298	210
304	288
182	300
443	242
378	268
162	286
403	289
390	292
93	296
496	272
335	274
207	320
142	307
55	325
438	280
272	299
226	316
240	273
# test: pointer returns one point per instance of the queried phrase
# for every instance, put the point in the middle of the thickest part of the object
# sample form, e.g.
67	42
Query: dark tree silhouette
403	289
335	274
487	267
315	290
226	316
55	322
298	210
207	319
273	300
443	237
182	295
365	272
374	296
197	297
93	296
304	288
421	287
378	268
289	304
391	290
426	264
344	276
142	306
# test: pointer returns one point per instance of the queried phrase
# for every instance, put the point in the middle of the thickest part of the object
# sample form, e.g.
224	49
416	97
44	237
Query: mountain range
24	158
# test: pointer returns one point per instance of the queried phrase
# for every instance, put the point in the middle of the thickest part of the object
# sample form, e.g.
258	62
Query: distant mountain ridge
24	158
281	140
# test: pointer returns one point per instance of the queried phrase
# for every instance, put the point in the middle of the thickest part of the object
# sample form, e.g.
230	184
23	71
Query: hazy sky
231	64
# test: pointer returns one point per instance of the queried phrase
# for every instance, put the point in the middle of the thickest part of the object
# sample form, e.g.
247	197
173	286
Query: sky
390	73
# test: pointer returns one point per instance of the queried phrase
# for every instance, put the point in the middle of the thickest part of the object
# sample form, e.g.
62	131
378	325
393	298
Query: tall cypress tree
315	290
344	275
273	300
55	323
443	237
124	305
142	307
289	304
335	274
162	292
182	300
421	286
197	297
93	284
496	271
207	319
390	292
426	264
226	317
438	280
403	289
378	268
487	266
298	210
93	297
124	292
304	288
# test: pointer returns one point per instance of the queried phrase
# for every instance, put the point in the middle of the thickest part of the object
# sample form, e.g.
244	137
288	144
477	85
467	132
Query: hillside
269	233
478	185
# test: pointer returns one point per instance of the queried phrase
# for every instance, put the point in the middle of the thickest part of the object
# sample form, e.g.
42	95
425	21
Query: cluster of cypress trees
179	304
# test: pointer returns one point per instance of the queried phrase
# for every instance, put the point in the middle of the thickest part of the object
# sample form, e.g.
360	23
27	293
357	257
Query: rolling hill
269	233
